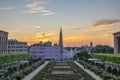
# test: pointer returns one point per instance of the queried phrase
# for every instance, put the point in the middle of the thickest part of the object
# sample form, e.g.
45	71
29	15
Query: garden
61	70
17	66
106	67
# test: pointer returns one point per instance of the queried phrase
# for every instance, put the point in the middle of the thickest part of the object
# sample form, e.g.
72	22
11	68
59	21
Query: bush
18	77
114	71
109	69
117	78
83	55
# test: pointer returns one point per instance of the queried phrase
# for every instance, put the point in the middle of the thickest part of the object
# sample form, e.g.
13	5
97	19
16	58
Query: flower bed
23	71
99	70
81	74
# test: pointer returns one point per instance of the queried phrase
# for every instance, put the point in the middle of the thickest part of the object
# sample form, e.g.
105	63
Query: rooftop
116	33
3	31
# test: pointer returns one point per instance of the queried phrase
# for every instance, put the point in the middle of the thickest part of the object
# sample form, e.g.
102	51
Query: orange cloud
77	28
73	40
105	23
42	36
45	34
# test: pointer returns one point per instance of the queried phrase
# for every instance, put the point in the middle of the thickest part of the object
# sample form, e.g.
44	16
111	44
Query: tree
83	55
103	49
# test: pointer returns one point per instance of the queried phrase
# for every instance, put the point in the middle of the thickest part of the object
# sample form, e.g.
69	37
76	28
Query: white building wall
15	46
3	41
116	43
68	54
45	52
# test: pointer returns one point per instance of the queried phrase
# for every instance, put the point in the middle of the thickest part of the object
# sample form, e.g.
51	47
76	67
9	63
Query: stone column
0	45
6	45
115	45
3	45
118	44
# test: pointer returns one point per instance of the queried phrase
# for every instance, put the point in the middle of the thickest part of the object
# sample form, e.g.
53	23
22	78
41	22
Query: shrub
109	69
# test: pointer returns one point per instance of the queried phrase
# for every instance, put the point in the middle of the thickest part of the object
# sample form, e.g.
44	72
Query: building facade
15	46
48	52
3	41
45	51
116	42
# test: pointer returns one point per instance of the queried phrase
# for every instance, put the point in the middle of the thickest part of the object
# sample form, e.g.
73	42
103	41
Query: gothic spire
61	44
60	38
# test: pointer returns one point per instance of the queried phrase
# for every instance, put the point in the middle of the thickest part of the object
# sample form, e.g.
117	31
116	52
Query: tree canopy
103	49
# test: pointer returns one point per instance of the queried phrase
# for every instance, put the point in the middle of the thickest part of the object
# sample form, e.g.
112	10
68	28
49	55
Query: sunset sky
82	21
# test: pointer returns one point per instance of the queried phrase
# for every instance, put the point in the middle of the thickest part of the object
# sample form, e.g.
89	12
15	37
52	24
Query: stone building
45	51
116	42
3	41
15	46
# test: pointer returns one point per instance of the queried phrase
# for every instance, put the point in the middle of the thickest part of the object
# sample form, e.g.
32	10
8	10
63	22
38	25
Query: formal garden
61	70
17	66
107	66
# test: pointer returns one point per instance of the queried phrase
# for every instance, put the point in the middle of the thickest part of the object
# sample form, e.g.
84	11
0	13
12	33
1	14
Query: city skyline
82	21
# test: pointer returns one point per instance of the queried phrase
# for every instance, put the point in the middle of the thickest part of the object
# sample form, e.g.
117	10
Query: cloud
48	14
44	34
77	28
13	31
36	7
45	11
105	23
36	27
71	26
6	8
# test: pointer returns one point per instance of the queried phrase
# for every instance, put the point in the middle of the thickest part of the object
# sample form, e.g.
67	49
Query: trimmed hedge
115	58
7	58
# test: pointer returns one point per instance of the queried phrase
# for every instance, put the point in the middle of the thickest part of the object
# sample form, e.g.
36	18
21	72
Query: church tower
61	44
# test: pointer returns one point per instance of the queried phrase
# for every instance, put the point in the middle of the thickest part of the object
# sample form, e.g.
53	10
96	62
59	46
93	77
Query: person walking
84	66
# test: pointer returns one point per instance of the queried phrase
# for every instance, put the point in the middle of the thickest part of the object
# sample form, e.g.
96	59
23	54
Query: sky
82	21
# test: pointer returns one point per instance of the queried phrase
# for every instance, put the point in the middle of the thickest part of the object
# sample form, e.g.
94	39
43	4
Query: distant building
116	42
15	46
49	52
45	51
56	52
48	44
3	41
69	54
90	48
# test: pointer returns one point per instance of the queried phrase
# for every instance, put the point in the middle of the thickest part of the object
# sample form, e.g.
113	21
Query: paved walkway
88	71
32	74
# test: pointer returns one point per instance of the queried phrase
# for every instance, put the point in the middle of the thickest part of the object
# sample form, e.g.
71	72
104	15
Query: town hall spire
61	44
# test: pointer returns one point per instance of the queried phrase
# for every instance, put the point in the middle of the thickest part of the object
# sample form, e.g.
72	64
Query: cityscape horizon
59	39
83	22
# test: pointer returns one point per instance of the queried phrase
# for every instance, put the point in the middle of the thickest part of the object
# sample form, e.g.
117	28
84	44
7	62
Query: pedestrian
84	66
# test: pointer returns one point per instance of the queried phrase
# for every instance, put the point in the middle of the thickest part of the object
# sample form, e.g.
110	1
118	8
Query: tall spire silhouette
61	44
